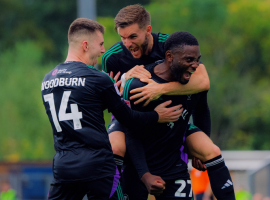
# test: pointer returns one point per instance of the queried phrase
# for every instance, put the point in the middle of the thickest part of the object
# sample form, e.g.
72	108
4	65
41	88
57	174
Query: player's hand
117	83
171	114
138	72
154	184
150	92
197	163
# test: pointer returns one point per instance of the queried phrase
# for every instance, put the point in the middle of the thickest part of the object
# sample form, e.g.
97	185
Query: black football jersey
163	143
118	57
74	95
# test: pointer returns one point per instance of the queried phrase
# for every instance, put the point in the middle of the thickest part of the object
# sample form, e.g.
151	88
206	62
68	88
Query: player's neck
150	44
75	57
163	71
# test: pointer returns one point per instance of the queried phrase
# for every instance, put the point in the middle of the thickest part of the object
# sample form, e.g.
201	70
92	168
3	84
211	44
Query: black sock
119	160
220	179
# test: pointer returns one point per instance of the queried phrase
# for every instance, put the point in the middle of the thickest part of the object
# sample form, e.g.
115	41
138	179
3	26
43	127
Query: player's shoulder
160	39
112	55
105	78
130	85
150	67
82	69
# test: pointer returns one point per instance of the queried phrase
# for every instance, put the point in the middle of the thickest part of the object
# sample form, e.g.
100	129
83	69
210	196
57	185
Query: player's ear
85	45
169	56
148	30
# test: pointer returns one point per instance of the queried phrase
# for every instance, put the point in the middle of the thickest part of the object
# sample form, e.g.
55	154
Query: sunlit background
234	38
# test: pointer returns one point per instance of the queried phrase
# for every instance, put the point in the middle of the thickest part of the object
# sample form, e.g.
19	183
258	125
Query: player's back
163	142
72	96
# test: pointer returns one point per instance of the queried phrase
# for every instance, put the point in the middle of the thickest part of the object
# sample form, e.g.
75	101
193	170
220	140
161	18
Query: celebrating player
140	46
163	143
74	95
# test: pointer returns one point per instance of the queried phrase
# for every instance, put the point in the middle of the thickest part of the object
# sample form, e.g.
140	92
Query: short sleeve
130	85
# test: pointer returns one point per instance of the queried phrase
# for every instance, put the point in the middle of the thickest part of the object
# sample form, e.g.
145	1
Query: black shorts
116	126
134	189
191	129
97	189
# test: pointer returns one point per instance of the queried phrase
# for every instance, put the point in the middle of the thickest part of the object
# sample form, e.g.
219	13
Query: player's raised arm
198	82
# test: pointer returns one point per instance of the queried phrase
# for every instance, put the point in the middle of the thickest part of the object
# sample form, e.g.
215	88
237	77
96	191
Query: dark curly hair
177	40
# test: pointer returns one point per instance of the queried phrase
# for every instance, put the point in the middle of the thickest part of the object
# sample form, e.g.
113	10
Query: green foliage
234	42
110	8
45	22
110	35
25	129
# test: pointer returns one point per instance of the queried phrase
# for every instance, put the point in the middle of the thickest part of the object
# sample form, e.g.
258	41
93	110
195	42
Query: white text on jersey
58	82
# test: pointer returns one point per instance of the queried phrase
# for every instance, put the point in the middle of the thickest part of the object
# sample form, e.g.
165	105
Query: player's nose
127	43
195	64
102	49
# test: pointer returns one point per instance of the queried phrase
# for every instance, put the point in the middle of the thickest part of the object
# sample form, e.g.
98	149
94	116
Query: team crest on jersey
188	97
128	103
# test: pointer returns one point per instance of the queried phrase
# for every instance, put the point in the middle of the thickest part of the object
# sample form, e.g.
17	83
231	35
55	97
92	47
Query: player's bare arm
199	82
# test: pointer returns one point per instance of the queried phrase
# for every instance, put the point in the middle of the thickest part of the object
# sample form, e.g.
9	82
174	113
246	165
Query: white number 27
75	115
179	192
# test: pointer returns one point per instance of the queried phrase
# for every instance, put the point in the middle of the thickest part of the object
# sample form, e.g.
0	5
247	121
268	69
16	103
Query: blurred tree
110	8
45	22
233	43
26	132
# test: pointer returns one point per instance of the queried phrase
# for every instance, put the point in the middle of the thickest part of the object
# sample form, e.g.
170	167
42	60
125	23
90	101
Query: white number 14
75	115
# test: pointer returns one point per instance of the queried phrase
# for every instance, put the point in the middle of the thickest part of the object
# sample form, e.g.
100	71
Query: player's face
185	63
96	47
135	39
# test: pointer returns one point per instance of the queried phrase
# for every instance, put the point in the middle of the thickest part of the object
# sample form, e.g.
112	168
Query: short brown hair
83	26
130	15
